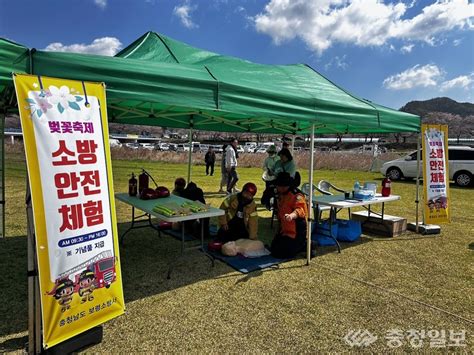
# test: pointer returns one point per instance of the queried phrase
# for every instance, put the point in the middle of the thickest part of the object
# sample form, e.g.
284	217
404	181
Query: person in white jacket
231	165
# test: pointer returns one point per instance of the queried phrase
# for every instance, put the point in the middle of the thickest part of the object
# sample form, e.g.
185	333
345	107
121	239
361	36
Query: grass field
406	283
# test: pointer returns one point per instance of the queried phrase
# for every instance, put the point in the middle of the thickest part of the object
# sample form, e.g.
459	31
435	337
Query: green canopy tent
274	98
159	81
162	82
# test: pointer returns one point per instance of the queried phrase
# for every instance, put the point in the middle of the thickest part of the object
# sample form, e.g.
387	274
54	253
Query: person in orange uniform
292	215
240	219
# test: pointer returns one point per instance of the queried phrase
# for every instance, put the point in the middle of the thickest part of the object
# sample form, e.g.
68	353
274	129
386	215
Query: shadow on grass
146	256
14	287
145	259
14	344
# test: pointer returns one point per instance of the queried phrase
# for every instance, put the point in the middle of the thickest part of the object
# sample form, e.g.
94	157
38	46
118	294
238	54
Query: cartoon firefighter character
86	285
64	292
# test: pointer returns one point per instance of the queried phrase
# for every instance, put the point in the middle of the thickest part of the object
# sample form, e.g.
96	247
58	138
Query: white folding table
144	220
339	202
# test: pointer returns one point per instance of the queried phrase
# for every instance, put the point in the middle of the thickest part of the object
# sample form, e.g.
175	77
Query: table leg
375	220
183	248
202	244
136	220
332	215
129	228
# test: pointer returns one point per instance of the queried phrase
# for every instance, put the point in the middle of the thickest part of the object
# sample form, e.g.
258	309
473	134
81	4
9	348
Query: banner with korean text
65	133
436	174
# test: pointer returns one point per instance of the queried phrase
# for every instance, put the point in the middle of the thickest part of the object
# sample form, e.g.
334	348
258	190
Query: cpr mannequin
247	247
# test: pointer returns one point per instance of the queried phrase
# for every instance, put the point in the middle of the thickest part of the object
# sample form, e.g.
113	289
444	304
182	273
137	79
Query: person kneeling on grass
240	219
292	215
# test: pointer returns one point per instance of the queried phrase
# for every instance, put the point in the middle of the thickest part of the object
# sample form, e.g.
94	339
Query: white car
163	146
133	145
148	146
461	166
114	143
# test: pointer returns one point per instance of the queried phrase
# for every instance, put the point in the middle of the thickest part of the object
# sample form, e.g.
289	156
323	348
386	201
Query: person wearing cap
240	219
286	163
292	215
269	164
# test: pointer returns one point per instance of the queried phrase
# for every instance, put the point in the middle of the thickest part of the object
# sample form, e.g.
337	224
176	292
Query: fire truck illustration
97	272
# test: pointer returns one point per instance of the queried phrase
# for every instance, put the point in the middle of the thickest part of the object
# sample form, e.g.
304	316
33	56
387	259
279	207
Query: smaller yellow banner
436	174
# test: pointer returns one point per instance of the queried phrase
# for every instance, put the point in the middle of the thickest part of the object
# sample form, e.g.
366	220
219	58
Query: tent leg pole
2	165
417	201
293	144
190	154
310	198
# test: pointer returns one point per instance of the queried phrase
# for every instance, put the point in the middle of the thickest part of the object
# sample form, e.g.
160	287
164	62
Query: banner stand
88	338
421	227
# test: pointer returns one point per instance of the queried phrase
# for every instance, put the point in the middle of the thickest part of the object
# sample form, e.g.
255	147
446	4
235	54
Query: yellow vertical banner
435	173
65	134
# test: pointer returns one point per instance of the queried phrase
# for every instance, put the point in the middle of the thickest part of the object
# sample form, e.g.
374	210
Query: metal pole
34	315
310	197
293	144
190	154
2	157
417	201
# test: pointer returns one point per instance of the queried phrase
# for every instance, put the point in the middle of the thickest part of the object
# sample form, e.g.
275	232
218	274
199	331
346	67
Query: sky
387	52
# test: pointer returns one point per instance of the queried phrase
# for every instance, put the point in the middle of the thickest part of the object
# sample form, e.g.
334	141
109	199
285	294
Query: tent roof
13	58
320	98
163	82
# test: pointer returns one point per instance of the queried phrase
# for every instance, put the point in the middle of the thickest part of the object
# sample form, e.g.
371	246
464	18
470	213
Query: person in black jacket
194	193
210	160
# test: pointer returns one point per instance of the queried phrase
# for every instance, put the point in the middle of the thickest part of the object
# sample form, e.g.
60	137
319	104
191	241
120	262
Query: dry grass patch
292	309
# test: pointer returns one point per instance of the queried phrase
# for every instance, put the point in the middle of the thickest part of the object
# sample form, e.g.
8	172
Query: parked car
182	148
148	146
249	147
261	150
114	143
173	147
461	166
163	146
217	148
133	145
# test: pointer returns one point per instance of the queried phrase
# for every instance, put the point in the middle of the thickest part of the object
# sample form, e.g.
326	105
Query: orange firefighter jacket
230	206
288	203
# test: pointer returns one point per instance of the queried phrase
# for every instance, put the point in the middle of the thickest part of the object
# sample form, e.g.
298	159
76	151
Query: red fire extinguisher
386	187
142	181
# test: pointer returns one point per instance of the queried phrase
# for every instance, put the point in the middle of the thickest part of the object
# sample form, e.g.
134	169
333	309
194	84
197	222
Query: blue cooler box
348	230
321	236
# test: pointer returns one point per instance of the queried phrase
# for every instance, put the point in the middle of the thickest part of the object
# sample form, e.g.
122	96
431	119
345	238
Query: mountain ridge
439	104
